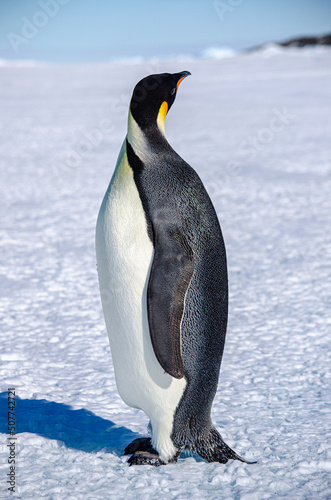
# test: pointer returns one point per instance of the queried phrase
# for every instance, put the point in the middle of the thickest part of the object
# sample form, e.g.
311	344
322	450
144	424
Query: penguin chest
124	258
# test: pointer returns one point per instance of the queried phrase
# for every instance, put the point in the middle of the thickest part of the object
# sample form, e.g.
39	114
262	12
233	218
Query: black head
153	96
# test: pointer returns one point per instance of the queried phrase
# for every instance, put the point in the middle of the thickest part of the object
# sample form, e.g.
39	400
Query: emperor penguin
164	286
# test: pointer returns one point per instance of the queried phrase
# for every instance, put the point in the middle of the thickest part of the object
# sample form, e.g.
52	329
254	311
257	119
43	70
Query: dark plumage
187	295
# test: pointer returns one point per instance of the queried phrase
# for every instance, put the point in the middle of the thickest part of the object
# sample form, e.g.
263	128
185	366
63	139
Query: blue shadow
78	429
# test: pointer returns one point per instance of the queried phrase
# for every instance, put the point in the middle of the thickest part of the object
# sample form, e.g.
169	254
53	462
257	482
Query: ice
257	128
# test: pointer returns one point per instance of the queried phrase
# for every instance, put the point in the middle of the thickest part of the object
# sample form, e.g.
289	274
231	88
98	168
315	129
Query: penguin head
152	98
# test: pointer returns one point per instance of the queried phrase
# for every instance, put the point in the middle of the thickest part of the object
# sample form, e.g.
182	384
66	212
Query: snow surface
269	178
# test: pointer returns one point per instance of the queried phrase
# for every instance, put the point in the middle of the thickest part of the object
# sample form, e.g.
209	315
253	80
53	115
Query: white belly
124	257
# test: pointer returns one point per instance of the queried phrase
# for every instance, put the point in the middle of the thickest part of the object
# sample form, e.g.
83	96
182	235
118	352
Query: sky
101	30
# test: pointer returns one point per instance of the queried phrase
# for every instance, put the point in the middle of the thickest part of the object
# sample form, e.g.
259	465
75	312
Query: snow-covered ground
257	129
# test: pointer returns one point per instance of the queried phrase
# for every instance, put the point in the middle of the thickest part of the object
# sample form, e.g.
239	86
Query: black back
180	214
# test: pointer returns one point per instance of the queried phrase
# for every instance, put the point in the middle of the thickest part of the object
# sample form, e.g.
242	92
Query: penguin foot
146	458
140	444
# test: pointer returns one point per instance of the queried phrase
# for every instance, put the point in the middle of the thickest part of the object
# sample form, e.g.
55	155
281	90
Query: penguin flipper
171	272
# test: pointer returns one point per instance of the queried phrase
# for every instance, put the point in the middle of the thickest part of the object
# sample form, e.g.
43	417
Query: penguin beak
179	77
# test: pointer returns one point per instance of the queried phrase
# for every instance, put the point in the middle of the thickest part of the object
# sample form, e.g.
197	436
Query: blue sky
99	30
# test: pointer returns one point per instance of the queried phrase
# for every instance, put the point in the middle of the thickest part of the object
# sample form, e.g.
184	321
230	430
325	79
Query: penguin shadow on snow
78	429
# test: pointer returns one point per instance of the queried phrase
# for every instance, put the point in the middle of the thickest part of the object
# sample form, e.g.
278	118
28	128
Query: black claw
145	458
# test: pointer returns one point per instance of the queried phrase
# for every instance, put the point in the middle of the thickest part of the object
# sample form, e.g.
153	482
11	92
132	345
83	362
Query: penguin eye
173	91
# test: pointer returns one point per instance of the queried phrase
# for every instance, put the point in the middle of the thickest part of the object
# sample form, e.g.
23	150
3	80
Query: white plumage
124	258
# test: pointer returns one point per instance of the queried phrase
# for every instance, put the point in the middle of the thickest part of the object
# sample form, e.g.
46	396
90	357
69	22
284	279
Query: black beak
179	77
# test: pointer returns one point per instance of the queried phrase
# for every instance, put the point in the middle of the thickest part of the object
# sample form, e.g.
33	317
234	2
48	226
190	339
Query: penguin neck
145	142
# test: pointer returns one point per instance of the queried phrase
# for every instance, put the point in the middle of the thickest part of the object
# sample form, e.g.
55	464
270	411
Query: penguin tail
230	454
214	449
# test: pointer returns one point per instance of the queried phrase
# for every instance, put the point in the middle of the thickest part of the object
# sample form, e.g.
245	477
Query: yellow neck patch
162	116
